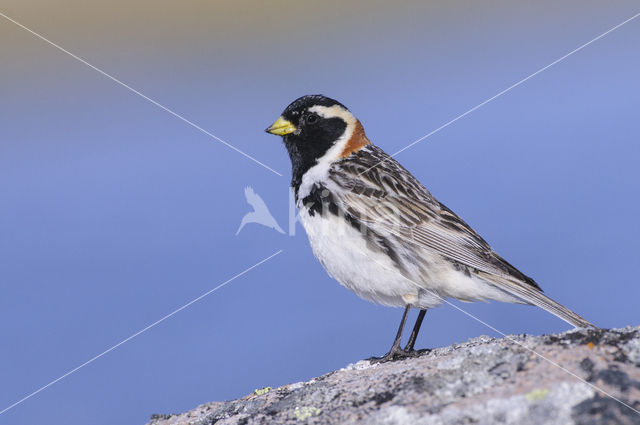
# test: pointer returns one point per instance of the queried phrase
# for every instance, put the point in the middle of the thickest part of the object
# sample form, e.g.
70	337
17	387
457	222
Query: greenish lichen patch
306	412
537	394
261	391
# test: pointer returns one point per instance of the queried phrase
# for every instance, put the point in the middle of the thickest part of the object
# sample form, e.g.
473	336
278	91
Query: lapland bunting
379	232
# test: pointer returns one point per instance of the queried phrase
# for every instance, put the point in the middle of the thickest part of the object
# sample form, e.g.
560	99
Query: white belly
374	276
343	252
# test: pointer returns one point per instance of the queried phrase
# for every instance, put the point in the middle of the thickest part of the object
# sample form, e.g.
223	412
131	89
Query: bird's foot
398	354
411	352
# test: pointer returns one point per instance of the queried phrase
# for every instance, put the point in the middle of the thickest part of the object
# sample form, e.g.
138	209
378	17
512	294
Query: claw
398	354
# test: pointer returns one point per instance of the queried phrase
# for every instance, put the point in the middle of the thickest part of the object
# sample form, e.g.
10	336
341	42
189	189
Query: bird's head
316	128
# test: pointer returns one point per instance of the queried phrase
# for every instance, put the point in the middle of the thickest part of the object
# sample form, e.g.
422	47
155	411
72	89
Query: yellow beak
281	127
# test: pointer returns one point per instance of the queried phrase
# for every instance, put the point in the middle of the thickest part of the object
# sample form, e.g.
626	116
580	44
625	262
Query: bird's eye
312	119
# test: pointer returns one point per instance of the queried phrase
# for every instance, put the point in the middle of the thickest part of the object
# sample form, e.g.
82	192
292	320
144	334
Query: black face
314	135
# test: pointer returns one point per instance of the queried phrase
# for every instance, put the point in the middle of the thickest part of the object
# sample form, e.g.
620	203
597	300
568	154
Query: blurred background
113	213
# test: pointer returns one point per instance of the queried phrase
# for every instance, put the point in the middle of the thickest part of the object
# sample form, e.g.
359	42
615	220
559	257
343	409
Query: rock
578	377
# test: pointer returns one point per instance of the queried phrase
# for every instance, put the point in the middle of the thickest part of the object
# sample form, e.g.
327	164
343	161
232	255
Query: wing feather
377	190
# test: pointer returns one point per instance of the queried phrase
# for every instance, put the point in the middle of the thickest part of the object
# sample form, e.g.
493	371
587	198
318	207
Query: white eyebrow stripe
335	111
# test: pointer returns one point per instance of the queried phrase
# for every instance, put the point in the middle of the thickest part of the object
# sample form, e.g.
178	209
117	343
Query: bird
260	213
380	233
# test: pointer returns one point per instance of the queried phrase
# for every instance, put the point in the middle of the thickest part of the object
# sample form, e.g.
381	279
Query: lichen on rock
583	376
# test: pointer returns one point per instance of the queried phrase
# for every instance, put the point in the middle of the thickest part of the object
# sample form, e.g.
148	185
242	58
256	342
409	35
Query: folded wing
378	191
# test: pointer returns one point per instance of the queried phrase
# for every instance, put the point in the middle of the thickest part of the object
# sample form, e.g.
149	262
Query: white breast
373	275
343	252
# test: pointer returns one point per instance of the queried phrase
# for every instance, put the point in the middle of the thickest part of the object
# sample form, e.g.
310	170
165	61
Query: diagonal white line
595	387
141	331
480	105
131	89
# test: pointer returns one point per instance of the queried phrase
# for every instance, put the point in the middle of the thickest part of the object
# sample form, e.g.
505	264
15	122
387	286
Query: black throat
307	147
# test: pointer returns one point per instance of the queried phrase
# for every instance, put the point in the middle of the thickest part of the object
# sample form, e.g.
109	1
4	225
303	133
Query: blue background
114	213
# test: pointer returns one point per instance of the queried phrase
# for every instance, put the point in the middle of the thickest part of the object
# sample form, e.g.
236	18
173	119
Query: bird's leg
414	332
395	348
395	352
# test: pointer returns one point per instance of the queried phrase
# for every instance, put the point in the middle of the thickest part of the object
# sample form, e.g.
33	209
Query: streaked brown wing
379	191
389	198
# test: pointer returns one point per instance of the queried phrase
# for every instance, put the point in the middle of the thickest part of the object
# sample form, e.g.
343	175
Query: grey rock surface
578	377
